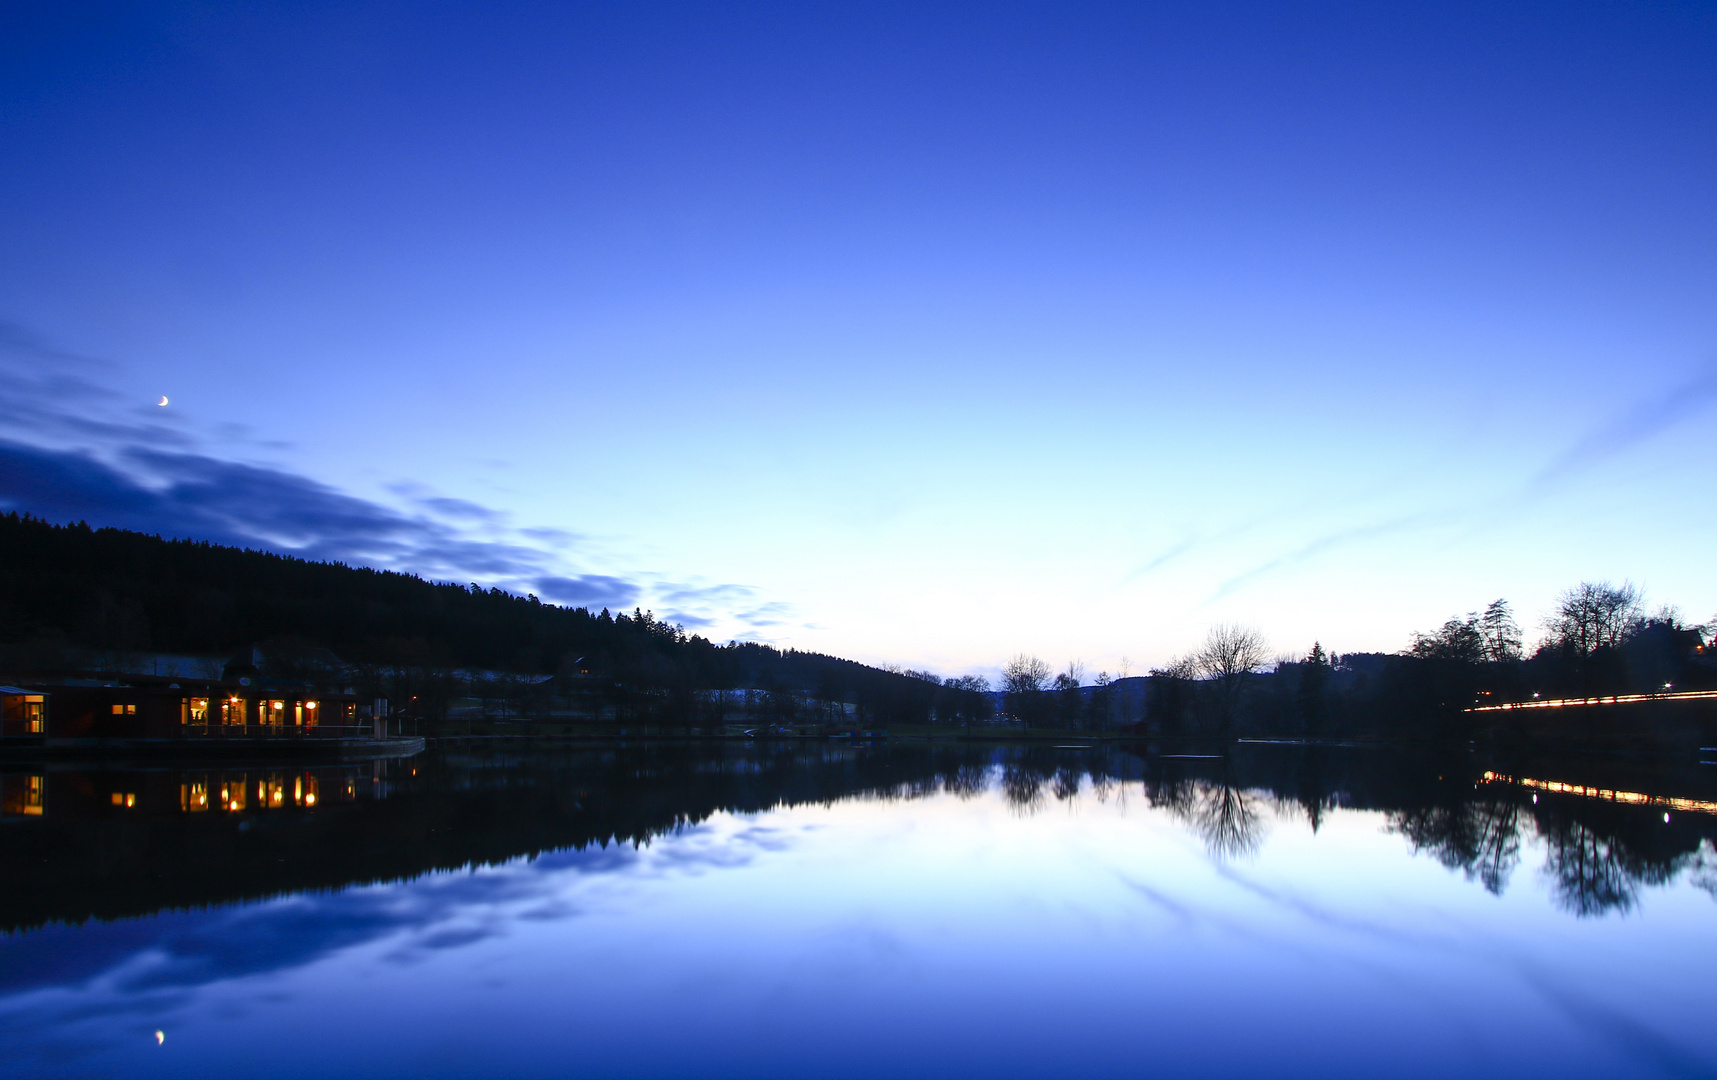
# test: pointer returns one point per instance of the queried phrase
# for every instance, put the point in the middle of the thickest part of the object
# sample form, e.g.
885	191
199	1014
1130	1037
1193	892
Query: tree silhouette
1226	661
1591	616
1023	680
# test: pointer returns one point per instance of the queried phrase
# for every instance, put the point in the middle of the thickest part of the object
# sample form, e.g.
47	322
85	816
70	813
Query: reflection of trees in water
1066	783
1597	858
968	781
1103	786
1228	819
1592	874
1593	863
1481	837
462	807
1702	868
1022	786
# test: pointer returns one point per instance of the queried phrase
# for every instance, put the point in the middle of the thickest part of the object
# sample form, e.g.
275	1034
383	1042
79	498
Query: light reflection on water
905	911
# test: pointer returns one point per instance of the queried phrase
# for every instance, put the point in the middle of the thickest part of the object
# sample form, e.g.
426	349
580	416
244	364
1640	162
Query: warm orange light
131	800
310	799
1635	798
1613	699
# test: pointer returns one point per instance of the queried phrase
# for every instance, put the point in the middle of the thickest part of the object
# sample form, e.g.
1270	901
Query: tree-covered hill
69	593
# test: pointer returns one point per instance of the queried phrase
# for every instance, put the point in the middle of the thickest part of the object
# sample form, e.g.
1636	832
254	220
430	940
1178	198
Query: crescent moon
163	400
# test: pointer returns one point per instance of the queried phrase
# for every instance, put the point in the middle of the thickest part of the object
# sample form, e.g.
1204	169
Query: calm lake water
655	910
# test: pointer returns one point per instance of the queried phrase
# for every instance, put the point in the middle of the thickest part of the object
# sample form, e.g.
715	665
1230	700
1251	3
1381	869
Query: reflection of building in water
80	795
144	707
1630	798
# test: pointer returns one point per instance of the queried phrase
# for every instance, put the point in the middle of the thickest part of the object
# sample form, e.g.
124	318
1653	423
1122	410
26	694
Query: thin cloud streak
1322	545
1639	424
1163	558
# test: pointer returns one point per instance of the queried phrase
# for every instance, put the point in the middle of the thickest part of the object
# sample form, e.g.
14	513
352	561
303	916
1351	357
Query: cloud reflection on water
67	990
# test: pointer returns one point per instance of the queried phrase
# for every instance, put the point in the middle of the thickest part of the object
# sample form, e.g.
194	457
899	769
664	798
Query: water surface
913	910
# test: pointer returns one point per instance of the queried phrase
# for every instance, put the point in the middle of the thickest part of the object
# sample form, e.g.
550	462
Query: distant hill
70	593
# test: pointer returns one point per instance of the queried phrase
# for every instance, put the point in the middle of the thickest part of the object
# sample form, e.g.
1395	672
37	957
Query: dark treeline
72	596
1598	642
448	810
76	597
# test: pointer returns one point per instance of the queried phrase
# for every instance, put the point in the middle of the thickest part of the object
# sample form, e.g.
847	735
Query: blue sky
916	333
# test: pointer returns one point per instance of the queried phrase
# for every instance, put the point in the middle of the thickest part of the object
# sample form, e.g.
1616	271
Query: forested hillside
73	596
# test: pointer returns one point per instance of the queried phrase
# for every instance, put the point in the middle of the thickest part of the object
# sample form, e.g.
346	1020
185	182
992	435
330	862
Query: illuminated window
26	710
196	710
304	791
22	795
271	793
124	799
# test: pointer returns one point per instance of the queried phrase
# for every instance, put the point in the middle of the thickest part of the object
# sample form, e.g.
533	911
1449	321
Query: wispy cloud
589	590
461	510
1681	402
73	449
1162	558
197	497
1320	546
705	606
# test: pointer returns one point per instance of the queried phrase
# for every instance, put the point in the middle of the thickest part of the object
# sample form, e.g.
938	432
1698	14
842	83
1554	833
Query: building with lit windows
76	712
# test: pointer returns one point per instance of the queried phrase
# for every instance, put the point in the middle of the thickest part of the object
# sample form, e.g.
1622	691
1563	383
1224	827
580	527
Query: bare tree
1125	698
1592	615
1501	632
1070	700
1024	674
1226	661
1023	682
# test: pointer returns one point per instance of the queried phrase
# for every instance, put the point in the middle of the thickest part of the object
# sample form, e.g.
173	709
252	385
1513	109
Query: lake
903	910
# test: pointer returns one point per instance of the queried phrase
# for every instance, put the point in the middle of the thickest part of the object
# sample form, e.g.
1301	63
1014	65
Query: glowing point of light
1666	819
161	1036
